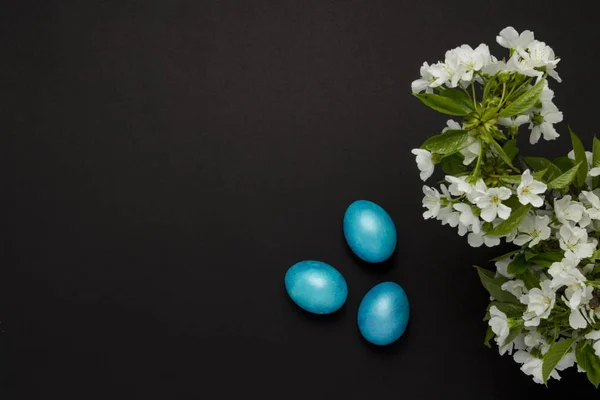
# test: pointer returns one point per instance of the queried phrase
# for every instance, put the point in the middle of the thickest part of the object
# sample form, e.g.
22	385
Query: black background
167	161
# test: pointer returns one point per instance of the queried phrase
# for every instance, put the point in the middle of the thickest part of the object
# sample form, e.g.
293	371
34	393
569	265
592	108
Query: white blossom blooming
577	297
502	267
440	73
499	324
539	55
542	124
447	216
424	163
594	202
458	185
539	303
532	366
565	272
575	240
595	336
515	287
511	39
568	210
534	339
423	83
491	205
478	239
467	217
533	230
431	201
529	190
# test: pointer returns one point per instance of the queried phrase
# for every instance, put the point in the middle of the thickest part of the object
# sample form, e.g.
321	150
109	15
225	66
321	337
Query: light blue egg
316	287
383	313
369	231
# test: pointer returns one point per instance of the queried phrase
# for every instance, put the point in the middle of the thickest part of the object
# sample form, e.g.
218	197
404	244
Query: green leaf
513	179
515	331
510	309
460	98
555	353
587	359
539	175
565	179
501	153
564	163
541	163
529	255
511	149
547	259
493	286
596	162
518	266
517	216
506	255
580	158
448	142
529	279
453	164
489	334
525	101
445	105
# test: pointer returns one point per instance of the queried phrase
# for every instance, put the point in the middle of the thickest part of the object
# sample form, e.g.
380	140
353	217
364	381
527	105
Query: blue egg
369	231
383	313
316	287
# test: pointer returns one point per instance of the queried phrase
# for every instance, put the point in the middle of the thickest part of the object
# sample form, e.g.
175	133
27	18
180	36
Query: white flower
431	201
595	335
565	272
540	55
491	205
515	287
440	73
471	152
511	39
594	211
534	339
477	239
594	171
542	123
447	215
568	210
539	303
424	163
452	124
467	218
533	230
502	267
578	294
529	189
574	239
423	84
458	185
472	60
499	324
516	122
532	366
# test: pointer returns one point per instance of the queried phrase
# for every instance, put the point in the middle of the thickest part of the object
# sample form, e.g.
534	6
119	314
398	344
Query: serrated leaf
448	142
512	179
518	266
547	259
555	353
564	163
517	216
587	359
489	334
442	104
524	102
511	149
493	286
565	179
539	175
460	98
580	158
453	164
500	151
541	163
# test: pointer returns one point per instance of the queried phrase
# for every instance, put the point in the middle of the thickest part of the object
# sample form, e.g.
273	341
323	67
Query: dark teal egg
369	231
383	313
316	287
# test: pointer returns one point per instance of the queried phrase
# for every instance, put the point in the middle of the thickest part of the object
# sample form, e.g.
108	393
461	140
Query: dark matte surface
167	161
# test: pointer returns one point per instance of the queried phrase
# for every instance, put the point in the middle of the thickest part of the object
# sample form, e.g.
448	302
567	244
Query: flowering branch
546	294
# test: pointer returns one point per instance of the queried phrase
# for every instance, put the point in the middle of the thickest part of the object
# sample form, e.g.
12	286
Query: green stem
474	97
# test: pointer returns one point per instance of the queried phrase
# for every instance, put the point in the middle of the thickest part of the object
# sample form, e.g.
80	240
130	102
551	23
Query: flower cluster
545	296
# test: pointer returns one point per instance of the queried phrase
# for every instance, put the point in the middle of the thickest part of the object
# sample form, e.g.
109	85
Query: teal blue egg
383	313
369	231
316	287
